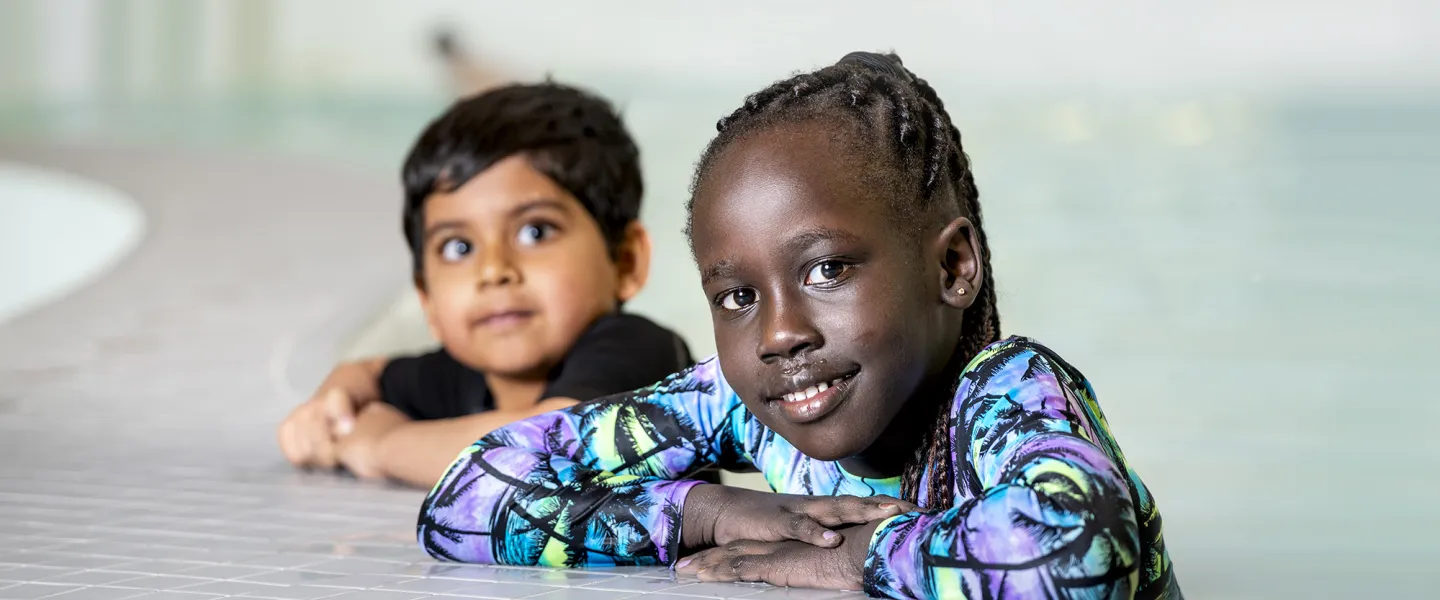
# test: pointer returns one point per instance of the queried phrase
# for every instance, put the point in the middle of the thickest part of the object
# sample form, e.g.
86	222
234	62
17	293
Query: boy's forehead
508	187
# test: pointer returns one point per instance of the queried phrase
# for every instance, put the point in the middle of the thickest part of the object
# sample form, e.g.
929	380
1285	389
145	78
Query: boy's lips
504	319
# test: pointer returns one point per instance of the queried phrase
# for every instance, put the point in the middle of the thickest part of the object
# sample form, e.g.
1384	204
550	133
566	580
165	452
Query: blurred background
1217	210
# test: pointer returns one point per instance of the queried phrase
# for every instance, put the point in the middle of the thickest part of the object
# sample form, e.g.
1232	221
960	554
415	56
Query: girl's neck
898	443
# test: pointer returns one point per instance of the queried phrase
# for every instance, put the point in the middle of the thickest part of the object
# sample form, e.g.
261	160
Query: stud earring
962	291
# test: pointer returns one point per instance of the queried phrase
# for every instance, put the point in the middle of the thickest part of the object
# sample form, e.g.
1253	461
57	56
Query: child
522	215
838	233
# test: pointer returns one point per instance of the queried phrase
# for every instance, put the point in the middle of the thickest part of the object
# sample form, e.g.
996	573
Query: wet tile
33	591
100	593
501	590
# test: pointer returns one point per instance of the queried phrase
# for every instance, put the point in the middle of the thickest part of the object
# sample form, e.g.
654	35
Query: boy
522	216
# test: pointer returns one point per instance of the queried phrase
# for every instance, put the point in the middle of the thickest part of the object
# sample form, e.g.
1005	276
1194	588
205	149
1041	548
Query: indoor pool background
1242	267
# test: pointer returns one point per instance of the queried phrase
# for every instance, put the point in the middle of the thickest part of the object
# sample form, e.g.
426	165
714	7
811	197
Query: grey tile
175	596
645	585
717	590
780	593
92	577
157	567
101	593
163	582
434	585
584	594
296	577
33	573
296	592
228	588
362	566
362	582
501	590
559	576
83	562
225	571
32	591
282	561
377	595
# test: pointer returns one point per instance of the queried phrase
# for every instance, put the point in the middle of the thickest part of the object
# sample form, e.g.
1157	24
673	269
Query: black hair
575	138
904	126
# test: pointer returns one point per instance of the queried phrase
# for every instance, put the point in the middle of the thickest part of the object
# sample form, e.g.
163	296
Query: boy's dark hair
573	137
903	124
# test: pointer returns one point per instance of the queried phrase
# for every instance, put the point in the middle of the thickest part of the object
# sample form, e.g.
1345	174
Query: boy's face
515	270
812	285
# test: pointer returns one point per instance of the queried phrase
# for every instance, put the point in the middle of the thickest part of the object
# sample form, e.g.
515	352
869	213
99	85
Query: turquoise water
1244	279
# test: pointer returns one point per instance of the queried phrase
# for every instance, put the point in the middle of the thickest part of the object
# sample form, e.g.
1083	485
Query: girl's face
827	317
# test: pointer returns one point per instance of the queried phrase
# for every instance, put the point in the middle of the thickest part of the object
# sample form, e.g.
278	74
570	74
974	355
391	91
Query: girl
837	227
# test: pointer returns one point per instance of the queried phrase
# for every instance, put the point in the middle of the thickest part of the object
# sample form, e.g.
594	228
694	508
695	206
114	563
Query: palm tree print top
1046	505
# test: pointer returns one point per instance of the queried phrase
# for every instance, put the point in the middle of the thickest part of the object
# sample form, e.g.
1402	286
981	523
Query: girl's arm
1051	513
599	483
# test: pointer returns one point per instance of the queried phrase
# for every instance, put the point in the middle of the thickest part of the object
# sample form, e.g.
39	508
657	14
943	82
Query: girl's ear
958	252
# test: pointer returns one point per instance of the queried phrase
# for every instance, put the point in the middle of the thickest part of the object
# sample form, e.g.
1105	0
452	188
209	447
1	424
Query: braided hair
900	117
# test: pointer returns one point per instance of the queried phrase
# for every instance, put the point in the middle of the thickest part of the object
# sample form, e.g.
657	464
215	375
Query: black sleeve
619	353
423	387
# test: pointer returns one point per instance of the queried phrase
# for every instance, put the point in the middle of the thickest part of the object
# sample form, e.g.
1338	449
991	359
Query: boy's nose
498	269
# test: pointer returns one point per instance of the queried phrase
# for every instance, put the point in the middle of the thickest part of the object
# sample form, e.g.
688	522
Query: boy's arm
1050	509
417	452
599	483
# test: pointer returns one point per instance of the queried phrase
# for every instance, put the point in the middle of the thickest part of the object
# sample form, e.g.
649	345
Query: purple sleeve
1050	513
600	483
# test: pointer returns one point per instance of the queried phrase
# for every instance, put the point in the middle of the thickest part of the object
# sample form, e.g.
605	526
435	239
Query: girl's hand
788	563
716	515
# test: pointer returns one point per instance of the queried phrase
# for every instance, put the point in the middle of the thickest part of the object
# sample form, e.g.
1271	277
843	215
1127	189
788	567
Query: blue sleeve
600	483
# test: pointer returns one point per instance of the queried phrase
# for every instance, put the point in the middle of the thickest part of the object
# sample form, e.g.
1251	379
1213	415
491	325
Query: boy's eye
455	249
534	233
825	272
737	299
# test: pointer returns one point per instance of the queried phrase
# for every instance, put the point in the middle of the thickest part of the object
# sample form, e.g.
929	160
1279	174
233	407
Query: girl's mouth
814	401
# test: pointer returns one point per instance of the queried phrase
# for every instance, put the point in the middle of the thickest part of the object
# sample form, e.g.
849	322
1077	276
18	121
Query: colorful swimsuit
1046	505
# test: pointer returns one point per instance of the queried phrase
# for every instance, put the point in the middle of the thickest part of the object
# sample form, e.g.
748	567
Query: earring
961	291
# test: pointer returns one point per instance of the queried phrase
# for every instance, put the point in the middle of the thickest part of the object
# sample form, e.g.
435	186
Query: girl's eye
534	233
825	272
737	299
454	249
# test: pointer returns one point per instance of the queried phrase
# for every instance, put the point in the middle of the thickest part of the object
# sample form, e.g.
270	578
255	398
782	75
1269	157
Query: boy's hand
716	515
308	436
360	450
788	563
305	438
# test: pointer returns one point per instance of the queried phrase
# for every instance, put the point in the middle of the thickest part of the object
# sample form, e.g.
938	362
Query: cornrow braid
887	99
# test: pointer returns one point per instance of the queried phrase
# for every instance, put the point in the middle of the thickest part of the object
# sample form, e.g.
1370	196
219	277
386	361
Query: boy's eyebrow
441	226
530	205
523	208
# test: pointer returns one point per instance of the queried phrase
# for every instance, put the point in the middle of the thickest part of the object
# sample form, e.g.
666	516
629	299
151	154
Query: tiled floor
136	417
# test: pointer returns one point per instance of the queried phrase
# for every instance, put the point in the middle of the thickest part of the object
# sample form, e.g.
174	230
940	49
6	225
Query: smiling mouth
814	401
817	389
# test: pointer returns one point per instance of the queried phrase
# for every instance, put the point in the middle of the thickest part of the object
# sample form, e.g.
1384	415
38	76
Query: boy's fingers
291	445
339	411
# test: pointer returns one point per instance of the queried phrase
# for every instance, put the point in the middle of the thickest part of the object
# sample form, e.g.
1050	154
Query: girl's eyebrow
718	270
804	240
